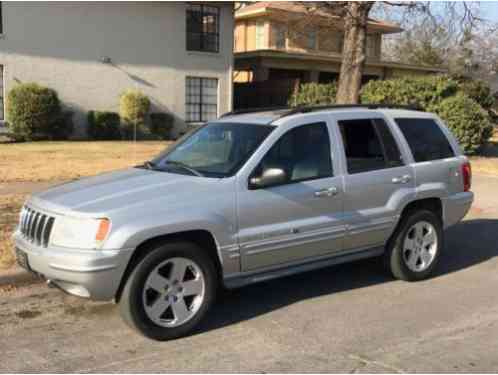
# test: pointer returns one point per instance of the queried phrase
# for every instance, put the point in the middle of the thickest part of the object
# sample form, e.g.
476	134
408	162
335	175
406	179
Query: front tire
169	291
415	247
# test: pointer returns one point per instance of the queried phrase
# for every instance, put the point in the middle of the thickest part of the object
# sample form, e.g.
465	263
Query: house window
203	28
201	99
312	40
260	35
279	34
1	94
1	18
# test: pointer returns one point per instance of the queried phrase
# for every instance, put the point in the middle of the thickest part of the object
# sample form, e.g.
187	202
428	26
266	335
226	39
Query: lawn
487	162
56	161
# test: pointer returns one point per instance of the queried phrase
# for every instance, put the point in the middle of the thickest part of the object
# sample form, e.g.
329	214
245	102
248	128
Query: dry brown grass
487	162
10	205
53	161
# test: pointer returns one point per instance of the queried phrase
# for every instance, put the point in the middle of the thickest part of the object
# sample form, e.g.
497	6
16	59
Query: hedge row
34	113
463	104
103	125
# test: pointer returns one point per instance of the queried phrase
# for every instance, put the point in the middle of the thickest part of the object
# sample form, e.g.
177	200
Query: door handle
328	192
401	179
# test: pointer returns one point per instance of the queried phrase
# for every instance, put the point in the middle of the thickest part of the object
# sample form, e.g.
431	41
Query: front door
376	175
300	218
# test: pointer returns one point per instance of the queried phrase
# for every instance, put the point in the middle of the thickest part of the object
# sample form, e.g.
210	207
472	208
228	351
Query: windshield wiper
184	166
147	165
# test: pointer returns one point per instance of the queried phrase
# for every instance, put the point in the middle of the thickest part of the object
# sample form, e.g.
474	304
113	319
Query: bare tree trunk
354	52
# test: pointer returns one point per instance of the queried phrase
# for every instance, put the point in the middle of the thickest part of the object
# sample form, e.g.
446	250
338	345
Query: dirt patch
28	314
89	309
487	161
10	205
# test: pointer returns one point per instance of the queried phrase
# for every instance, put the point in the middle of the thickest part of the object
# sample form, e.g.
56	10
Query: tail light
467	176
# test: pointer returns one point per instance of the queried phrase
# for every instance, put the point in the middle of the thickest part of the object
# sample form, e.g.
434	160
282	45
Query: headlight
79	233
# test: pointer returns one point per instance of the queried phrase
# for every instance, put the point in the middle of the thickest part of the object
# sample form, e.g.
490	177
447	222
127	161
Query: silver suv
247	198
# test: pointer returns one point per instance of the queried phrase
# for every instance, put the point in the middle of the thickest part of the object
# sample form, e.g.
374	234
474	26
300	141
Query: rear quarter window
425	138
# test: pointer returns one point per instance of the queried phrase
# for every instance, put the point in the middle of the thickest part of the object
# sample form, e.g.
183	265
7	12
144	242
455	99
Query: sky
489	10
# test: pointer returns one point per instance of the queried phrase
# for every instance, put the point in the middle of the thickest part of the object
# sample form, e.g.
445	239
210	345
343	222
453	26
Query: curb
17	276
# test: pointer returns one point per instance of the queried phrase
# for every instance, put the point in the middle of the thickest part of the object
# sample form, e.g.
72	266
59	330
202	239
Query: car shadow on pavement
467	244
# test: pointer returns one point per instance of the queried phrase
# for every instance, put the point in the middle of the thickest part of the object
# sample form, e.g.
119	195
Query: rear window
425	138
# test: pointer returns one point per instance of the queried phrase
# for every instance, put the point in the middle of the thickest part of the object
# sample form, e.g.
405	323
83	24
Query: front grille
36	226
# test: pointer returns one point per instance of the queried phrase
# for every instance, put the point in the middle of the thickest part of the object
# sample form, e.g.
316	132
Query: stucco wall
61	45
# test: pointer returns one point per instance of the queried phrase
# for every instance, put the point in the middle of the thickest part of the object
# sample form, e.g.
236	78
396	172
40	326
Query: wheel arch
433	204
201	237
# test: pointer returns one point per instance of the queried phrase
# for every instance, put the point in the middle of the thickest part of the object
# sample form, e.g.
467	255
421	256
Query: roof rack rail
307	109
254	110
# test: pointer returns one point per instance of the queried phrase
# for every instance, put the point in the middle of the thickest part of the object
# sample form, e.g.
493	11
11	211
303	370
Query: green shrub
314	94
63	126
425	91
478	90
133	108
161	125
103	125
468	121
33	112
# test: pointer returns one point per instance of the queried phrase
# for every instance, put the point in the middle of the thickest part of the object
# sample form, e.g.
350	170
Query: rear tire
415	247
169	291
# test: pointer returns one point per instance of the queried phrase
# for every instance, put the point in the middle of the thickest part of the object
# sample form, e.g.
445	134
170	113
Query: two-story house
280	44
179	54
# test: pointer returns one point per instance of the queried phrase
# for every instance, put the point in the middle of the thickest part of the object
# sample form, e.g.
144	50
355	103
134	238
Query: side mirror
270	177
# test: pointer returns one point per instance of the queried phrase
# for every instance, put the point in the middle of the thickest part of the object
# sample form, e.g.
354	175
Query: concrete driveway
348	318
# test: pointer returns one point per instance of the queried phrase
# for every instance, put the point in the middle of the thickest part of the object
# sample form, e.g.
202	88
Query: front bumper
94	274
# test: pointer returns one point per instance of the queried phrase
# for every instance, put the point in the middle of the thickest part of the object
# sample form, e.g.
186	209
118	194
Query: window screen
425	138
1	18
201	99
1	94
203	28
279	35
260	35
303	153
312	39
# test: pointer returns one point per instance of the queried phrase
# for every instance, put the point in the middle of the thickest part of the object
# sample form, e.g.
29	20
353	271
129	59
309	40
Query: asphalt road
348	318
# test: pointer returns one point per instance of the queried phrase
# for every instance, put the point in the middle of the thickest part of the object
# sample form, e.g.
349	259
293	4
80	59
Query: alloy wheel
420	246
173	292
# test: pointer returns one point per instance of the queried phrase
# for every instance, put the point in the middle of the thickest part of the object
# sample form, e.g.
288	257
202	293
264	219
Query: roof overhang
331	58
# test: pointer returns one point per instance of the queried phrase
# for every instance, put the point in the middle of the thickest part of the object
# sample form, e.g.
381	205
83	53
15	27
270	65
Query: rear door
436	161
376	179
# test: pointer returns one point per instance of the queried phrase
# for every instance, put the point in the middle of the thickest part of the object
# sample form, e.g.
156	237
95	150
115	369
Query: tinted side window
425	138
303	153
391	149
364	151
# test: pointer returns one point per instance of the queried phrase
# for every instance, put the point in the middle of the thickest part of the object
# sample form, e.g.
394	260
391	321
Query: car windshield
213	150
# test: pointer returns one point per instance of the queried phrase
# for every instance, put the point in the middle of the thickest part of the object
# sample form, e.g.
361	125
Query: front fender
132	233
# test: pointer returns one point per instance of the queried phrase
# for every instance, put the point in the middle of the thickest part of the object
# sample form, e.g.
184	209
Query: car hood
120	190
